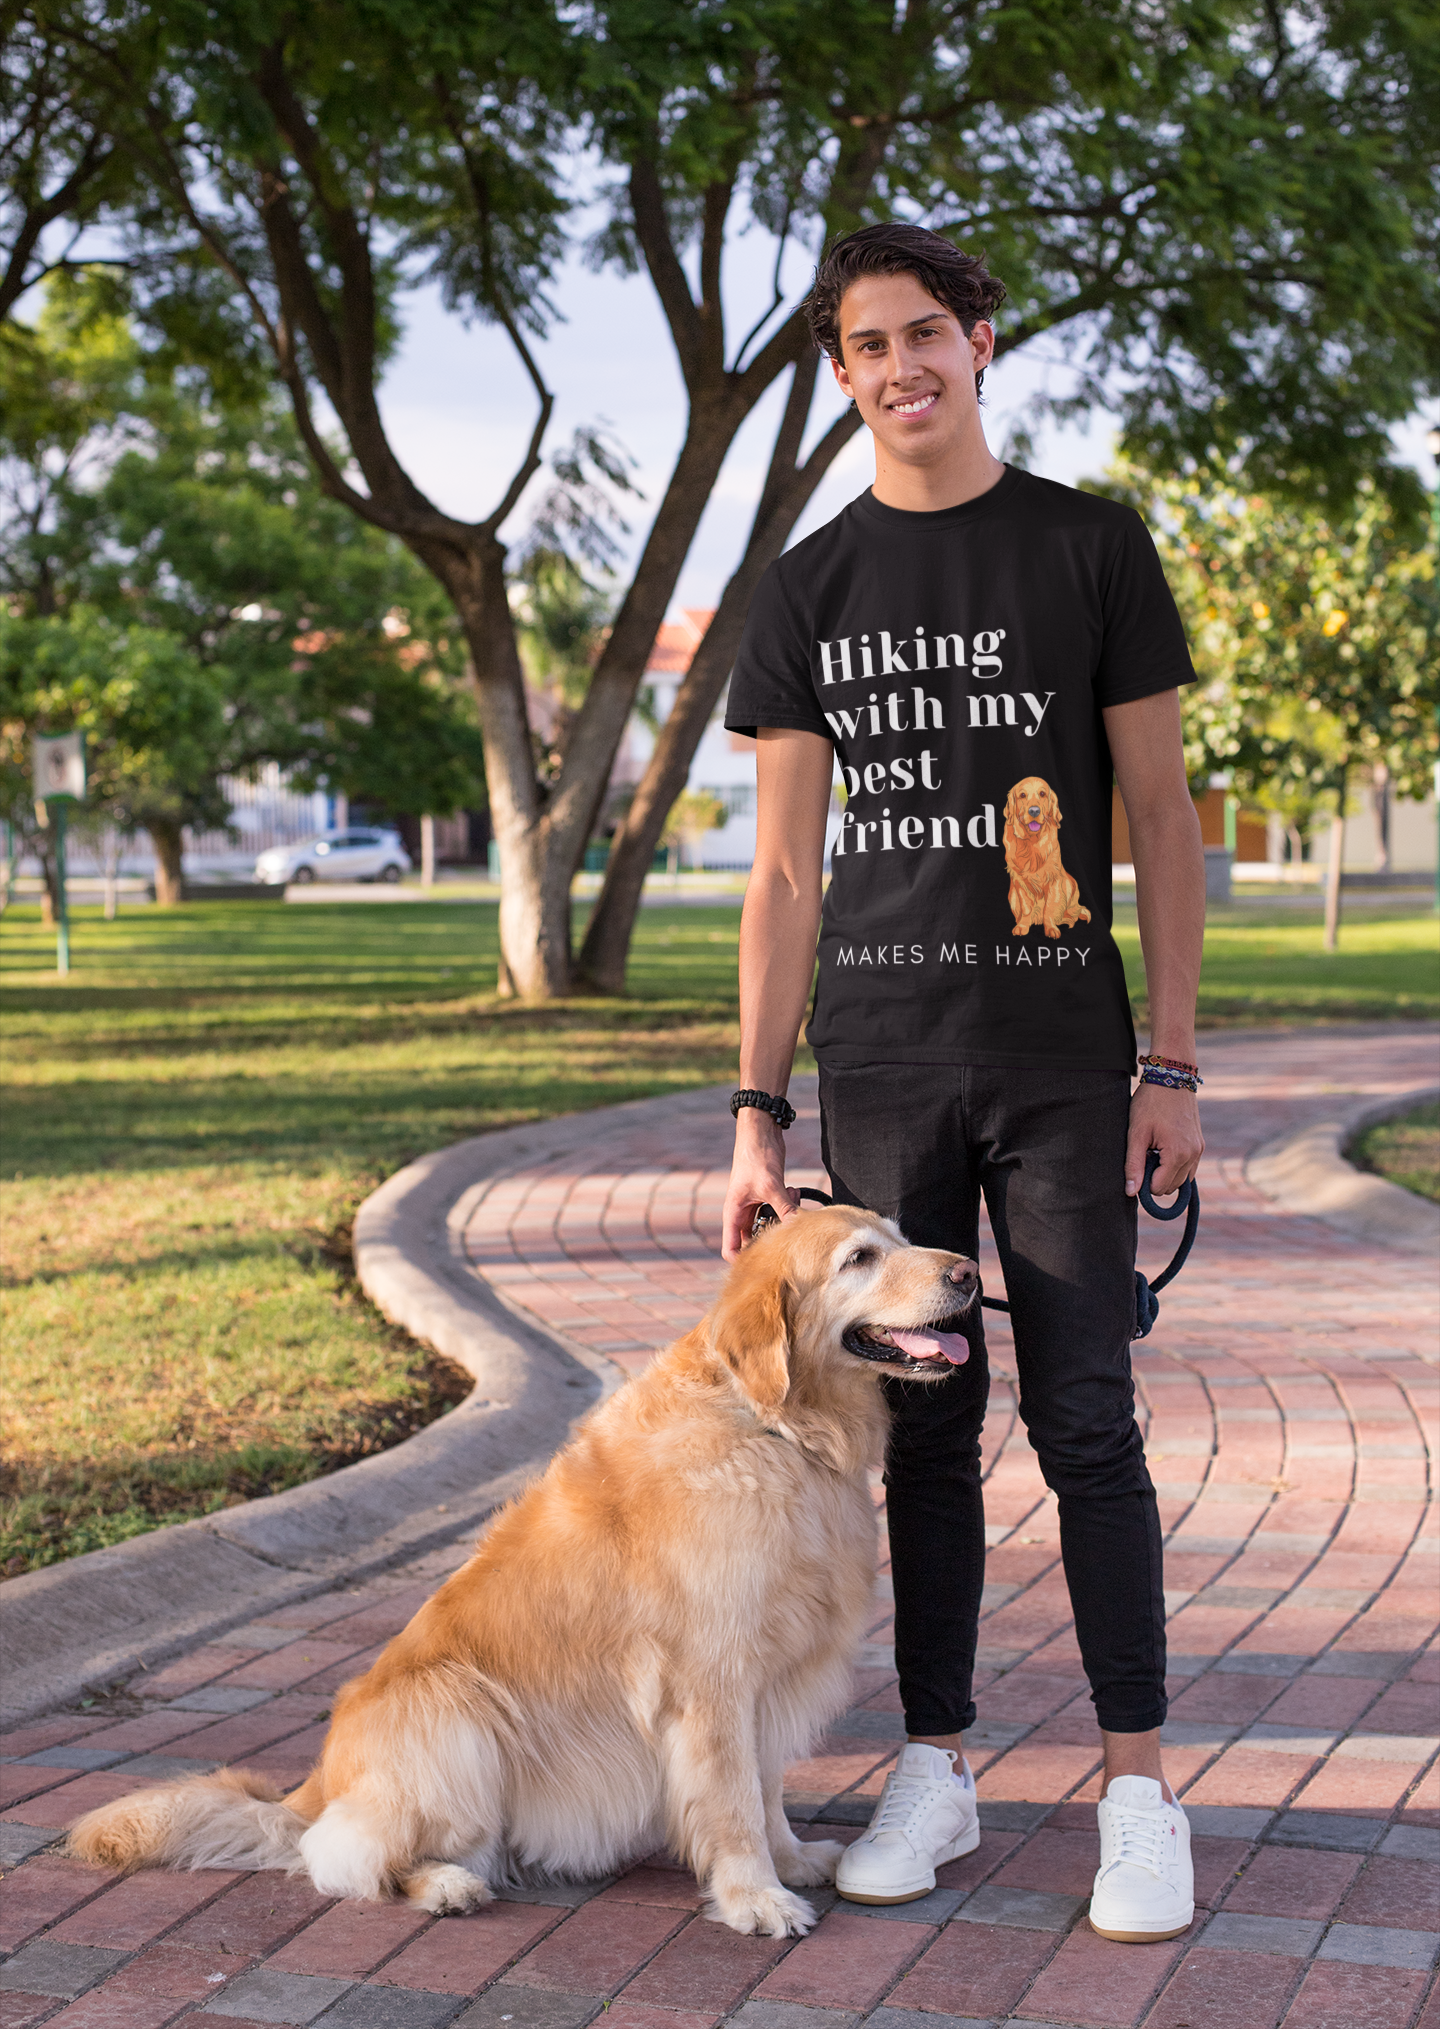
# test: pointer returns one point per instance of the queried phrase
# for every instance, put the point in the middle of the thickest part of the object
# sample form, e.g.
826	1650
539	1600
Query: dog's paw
773	1912
446	1890
812	1863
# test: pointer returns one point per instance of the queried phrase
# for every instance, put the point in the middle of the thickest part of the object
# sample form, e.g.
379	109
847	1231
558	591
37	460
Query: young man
982	652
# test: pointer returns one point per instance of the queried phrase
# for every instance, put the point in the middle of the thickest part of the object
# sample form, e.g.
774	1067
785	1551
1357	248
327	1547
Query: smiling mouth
917	1347
916	405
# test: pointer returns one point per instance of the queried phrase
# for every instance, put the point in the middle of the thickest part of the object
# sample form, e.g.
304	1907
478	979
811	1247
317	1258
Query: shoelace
1141	1838
906	1798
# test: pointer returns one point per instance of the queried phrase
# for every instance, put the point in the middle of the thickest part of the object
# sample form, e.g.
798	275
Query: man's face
909	367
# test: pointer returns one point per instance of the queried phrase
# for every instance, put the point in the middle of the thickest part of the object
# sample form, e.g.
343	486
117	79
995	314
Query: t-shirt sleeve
771	683
1144	649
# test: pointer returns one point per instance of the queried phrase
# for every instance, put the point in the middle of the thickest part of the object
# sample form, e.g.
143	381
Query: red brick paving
135	1911
461	1954
105	2010
42	1894
1233	1990
1404	1894
847	1961
254	1917
707	1966
1303	1361
1089	1981
1356	1997
351	1939
74	1796
974	1969
599	1949
1291	1881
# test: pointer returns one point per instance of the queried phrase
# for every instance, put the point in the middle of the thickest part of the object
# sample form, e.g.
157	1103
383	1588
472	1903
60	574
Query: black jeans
919	1143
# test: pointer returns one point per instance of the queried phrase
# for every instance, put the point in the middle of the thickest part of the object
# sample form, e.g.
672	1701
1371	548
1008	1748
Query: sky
460	408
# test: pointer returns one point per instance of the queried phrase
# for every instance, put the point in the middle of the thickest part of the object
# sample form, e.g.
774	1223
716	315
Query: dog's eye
861	1258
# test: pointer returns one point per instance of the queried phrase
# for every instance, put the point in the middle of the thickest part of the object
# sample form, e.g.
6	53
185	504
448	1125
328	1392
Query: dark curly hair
960	281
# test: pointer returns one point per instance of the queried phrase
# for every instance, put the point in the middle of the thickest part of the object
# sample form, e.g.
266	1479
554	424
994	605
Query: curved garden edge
97	1619
1307	1172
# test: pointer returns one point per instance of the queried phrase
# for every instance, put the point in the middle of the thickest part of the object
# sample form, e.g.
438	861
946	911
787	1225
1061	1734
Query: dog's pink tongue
928	1345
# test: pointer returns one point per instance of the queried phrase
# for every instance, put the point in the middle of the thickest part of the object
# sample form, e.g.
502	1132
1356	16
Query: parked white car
336	856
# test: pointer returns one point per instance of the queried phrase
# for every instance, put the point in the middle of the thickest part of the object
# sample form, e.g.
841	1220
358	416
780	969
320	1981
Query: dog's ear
1012	811
749	1328
1055	810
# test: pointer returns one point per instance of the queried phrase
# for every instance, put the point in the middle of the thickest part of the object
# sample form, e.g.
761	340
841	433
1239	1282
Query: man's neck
967	471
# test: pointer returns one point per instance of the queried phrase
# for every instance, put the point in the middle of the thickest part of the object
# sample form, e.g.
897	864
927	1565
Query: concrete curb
1307	1172
97	1619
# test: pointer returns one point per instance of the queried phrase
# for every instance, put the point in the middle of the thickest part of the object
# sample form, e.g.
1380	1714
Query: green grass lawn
1407	1151
193	1116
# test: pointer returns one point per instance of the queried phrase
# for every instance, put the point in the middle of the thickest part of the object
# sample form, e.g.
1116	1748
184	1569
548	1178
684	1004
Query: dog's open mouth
940	1344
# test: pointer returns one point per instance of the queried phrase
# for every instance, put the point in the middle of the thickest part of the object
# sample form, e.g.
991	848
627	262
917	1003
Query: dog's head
828	1296
1032	808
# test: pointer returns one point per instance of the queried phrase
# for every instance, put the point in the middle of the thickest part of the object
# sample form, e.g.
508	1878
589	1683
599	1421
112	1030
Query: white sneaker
1145	1886
927	1815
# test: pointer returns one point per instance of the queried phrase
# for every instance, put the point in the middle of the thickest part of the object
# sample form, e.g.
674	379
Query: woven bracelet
1177	1081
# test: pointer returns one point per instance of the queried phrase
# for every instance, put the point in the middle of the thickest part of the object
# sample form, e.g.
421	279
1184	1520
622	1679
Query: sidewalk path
1289	1397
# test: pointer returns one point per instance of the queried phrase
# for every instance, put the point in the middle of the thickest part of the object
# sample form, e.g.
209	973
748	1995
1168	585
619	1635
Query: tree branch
15	281
652	230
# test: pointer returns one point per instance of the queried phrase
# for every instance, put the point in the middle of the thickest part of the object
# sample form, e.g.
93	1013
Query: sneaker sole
957	1851
1141	1936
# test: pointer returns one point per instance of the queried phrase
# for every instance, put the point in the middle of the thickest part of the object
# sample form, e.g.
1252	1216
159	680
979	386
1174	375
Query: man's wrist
755	1099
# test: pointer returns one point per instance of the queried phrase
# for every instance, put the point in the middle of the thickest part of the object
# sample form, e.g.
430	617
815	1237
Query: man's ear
749	1328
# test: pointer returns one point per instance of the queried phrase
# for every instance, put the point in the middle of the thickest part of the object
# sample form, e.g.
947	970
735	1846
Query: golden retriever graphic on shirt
1040	889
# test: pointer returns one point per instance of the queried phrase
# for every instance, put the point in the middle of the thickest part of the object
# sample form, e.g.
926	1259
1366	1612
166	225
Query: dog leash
1147	1293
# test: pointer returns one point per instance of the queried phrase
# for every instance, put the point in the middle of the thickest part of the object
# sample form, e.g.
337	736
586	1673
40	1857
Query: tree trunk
538	857
1333	869
165	836
788	488
427	852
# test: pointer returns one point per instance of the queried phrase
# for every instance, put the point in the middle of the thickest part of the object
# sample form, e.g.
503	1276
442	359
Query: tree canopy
1222	219
178	587
1315	631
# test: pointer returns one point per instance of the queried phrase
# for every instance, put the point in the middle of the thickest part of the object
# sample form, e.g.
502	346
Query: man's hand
757	1177
1163	1117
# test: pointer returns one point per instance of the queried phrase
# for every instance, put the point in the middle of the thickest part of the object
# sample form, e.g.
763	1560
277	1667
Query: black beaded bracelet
780	1110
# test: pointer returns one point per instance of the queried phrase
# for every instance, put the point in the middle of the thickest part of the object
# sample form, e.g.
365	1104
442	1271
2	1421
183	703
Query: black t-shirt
959	662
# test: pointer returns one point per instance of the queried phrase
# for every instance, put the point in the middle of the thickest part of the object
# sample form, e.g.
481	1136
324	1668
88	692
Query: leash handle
1147	1197
766	1215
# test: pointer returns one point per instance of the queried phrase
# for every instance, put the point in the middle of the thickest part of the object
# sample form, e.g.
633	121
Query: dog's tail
227	1820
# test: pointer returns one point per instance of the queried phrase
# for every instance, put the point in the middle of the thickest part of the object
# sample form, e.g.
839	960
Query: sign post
59	782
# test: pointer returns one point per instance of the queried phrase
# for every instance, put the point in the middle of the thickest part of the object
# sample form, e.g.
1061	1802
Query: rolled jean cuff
1130	1722
928	1725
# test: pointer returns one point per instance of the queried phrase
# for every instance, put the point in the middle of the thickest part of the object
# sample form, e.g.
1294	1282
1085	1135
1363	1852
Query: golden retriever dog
642	1641
1040	889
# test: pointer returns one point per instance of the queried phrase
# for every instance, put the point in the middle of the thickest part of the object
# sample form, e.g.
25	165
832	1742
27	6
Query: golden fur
639	1644
1040	889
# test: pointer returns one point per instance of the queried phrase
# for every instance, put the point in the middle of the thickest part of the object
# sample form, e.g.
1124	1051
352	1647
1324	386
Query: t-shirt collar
876	511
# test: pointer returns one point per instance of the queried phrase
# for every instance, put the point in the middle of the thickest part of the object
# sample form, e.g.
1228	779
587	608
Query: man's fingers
1136	1149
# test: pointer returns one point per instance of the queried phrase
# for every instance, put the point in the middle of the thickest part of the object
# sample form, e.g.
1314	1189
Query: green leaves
182	590
1314	631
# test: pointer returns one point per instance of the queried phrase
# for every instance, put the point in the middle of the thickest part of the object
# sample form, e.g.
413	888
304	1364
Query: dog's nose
963	1276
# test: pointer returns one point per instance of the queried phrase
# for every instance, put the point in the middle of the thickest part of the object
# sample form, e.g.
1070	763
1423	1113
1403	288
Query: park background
395	421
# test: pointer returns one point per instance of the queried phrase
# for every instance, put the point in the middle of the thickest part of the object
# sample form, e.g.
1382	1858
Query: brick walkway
1290	1402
